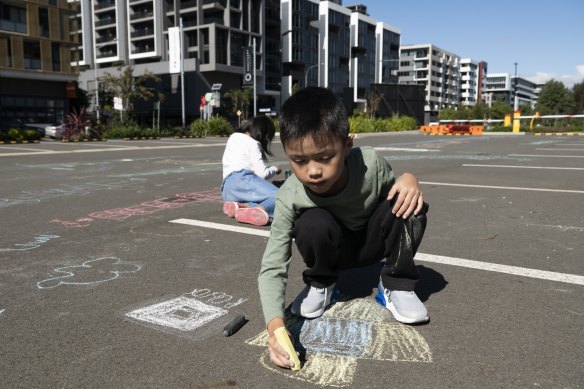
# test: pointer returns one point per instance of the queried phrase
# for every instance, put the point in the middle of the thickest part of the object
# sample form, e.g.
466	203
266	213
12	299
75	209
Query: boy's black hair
313	111
262	129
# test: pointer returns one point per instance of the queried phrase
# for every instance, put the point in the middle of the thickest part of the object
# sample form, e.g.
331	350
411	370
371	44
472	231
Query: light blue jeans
244	186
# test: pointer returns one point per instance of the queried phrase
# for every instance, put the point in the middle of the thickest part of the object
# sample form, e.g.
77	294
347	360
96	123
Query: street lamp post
306	74
515	89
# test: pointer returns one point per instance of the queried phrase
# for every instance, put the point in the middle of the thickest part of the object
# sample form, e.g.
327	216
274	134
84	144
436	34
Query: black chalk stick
234	325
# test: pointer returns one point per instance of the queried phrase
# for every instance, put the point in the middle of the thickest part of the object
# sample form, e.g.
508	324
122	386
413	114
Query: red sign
203	100
71	89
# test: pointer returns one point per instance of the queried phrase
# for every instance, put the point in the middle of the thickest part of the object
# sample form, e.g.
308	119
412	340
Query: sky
545	38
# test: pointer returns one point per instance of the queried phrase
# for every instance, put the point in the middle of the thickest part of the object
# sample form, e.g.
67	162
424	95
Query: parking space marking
524	167
493	267
114	148
562	149
502	187
546	155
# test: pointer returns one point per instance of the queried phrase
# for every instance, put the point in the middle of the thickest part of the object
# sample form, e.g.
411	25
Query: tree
240	100
578	93
555	99
374	101
447	114
499	109
130	88
526	110
478	111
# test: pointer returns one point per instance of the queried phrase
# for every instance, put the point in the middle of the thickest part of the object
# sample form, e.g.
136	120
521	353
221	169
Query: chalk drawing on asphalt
36	197
2	311
348	332
91	272
146	208
35	243
190	313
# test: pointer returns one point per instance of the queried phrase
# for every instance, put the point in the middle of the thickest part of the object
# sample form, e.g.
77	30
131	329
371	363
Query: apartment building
124	32
36	77
473	76
515	91
437	69
315	50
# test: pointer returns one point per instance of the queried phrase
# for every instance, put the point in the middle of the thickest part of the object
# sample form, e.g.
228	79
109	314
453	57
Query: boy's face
320	168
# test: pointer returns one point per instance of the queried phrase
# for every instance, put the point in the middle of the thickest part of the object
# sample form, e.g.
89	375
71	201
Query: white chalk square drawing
181	313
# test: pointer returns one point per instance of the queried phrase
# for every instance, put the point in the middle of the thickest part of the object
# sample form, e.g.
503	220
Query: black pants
327	247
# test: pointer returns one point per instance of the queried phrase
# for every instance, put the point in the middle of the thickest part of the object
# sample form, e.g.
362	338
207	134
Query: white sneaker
312	301
405	306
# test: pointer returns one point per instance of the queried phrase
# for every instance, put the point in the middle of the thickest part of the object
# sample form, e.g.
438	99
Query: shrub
219	126
402	123
31	135
15	134
198	128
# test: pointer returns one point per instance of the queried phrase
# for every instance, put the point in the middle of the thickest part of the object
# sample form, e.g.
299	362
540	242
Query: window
32	55
56	54
44	22
13	19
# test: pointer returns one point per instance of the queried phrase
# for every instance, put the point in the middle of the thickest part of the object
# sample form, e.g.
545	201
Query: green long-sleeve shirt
370	179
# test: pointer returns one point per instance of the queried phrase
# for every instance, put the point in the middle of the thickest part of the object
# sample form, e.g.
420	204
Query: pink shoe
230	208
256	216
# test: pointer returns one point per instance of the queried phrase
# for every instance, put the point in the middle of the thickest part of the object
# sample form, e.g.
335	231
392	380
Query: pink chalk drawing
146	208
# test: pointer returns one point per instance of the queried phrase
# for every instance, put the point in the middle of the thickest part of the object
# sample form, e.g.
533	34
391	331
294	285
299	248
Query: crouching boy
345	209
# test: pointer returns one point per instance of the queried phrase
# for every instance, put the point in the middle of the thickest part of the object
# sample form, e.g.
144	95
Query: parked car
55	131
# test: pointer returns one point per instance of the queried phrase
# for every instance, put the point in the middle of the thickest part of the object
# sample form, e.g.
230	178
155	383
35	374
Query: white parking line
128	148
562	149
494	267
546	155
524	167
410	149
502	187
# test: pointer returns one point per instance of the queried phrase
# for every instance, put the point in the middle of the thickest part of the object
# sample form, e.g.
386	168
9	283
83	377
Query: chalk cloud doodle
91	272
346	333
37	242
188	313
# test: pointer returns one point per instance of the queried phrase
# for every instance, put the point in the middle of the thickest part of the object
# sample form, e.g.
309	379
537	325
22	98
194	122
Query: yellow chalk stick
284	340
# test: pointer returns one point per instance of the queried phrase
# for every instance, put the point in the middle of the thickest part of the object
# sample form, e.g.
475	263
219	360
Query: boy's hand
409	197
277	353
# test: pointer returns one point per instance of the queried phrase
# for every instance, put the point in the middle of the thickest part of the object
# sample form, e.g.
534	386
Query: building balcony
105	22
104	4
142	33
141	15
188	4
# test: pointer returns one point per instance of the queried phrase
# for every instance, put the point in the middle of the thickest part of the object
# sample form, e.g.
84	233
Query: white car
55	131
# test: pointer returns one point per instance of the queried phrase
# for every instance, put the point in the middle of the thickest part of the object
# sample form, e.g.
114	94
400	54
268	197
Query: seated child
344	209
248	196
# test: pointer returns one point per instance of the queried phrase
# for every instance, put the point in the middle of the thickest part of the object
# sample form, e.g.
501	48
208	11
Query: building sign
71	89
174	49
248	65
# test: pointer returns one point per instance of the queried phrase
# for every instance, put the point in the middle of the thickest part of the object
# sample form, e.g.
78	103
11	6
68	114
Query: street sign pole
182	75
255	97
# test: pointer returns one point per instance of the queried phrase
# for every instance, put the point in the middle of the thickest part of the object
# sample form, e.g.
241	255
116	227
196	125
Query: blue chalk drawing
336	336
94	271
37	242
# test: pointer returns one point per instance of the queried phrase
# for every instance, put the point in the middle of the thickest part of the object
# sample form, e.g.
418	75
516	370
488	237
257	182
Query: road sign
216	87
174	49
248	65
118	103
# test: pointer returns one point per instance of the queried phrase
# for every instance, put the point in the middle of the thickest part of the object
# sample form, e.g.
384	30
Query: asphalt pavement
119	270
